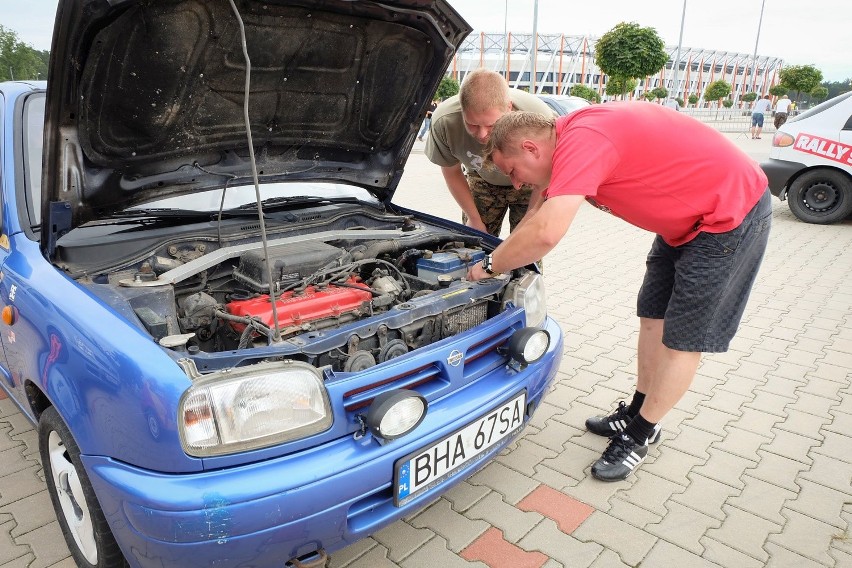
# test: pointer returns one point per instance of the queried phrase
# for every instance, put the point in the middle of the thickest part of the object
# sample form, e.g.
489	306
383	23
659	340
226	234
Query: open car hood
145	97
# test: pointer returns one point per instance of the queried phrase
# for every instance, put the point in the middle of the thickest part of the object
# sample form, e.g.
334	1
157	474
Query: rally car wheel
821	196
83	523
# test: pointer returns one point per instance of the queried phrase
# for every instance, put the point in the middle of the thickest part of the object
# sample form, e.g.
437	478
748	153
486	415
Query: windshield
822	106
239	195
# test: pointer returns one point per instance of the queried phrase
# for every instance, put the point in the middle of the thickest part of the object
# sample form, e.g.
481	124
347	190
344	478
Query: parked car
810	163
238	351
564	104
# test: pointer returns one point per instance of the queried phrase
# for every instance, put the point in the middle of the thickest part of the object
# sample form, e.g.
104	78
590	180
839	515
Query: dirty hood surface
146	97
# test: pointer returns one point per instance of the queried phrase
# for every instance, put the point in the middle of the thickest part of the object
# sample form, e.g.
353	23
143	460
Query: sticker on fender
426	468
824	147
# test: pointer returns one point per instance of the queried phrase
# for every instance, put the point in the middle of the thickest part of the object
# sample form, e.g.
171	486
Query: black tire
77	509
821	196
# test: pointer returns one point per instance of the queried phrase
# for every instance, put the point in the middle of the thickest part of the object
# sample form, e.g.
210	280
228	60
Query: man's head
521	146
766	96
484	97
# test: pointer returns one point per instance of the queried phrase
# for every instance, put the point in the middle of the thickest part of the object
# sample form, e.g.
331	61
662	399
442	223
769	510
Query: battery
453	263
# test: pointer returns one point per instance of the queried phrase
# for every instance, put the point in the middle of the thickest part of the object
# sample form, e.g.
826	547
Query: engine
349	304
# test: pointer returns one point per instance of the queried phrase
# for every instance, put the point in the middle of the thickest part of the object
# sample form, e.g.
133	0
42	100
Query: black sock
639	429
635	404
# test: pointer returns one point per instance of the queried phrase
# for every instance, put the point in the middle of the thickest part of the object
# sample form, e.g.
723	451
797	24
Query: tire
77	509
821	196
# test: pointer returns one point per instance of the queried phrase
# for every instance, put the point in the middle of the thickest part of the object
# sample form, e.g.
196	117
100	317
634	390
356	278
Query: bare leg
664	374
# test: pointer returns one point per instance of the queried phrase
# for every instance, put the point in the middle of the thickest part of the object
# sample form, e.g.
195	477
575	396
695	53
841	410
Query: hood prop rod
276	331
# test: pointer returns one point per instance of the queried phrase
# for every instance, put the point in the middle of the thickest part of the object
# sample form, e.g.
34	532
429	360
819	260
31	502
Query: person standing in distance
665	172
460	128
782	110
761	107
427	122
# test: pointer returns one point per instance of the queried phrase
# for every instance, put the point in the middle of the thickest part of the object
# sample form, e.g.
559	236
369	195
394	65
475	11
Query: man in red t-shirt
665	172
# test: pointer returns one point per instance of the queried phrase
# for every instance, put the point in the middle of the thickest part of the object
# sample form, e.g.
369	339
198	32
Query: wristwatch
487	264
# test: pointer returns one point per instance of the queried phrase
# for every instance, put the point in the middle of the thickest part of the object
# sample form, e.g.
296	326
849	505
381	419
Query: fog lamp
526	346
395	413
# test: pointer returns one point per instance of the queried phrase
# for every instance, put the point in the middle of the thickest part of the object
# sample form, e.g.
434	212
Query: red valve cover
311	304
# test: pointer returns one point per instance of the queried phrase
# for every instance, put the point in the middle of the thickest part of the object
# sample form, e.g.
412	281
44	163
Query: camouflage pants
492	202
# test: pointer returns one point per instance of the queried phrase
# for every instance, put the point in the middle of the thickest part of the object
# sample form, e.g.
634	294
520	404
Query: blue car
236	349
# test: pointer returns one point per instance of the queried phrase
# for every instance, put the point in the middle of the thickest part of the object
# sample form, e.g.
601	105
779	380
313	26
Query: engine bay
345	298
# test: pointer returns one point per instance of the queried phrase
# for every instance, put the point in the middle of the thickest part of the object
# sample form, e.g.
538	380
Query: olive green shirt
450	144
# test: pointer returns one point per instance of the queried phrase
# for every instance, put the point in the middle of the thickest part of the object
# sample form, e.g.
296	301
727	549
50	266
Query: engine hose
365	288
403	258
250	322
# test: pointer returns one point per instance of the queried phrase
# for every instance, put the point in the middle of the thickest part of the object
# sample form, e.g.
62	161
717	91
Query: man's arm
538	236
460	190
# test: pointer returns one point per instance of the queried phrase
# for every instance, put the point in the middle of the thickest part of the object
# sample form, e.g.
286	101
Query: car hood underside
146	97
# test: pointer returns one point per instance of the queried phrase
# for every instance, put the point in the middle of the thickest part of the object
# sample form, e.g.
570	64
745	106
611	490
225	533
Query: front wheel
821	196
83	523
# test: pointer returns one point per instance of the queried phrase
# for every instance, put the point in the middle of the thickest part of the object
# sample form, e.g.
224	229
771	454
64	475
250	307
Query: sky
800	32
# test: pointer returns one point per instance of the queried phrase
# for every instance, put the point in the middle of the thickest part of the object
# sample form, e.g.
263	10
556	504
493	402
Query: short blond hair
483	90
515	126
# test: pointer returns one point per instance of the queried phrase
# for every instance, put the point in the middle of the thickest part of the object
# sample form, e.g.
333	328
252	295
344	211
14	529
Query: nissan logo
455	358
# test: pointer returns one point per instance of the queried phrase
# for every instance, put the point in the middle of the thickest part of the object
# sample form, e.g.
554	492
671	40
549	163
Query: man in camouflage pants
460	129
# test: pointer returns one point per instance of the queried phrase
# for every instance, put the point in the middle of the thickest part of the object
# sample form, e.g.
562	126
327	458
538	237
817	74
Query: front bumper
779	173
327	497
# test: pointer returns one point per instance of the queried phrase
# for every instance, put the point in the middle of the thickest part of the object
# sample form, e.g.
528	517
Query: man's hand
476	272
476	224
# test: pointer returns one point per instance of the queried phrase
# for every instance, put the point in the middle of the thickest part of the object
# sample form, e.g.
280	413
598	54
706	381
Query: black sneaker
615	423
609	425
619	459
655	436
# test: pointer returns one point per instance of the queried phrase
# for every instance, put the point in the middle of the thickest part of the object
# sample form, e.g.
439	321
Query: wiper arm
295	202
157	213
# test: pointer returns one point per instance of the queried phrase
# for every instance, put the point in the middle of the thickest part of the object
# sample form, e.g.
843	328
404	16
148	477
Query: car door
22	125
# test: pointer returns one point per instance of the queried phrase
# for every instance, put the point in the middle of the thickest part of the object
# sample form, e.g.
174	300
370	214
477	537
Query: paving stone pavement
755	464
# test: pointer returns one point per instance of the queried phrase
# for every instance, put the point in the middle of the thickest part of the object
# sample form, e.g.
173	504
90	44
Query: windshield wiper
295	202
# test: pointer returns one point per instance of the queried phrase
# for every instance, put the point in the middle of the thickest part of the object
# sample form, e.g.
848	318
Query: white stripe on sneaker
632	460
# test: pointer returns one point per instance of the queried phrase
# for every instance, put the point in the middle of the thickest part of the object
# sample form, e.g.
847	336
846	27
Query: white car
564	104
810	163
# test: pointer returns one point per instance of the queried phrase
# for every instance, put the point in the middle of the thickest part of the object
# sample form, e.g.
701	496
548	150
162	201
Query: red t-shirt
656	168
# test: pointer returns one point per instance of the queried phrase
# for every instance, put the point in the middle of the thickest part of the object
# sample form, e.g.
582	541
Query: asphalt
755	463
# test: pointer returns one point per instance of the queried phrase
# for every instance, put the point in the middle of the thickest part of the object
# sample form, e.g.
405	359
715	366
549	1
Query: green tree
660	92
18	60
693	99
837	87
616	85
727	103
749	97
801	78
778	90
585	92
717	90
630	51
679	101
649	95
819	93
447	88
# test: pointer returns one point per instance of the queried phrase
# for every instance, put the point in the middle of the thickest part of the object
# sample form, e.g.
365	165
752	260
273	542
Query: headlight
529	294
253	407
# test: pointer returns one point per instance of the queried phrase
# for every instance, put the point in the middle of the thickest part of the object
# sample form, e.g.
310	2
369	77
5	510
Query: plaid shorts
700	288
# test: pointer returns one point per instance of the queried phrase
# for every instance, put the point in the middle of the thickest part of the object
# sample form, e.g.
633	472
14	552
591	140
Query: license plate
426	468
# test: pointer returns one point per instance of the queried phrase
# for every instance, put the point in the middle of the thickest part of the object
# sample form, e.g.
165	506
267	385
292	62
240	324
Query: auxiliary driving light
526	346
395	413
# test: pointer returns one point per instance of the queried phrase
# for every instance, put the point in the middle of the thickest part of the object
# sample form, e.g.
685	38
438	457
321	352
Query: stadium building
563	61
